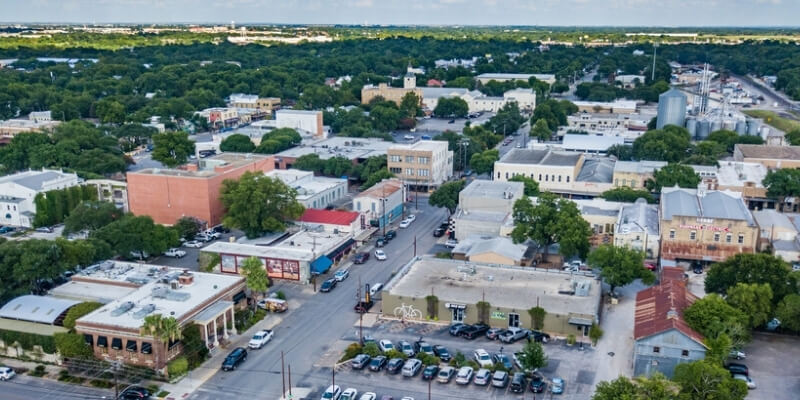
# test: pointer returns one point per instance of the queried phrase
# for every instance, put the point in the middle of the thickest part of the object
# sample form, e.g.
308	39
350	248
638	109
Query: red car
651	267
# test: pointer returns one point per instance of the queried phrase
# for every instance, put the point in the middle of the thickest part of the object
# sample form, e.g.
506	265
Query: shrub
99	383
208	261
280	295
178	367
395	354
162	394
444	254
72	345
28	340
458	360
78	311
152	388
371	349
195	350
427	359
595	333
39	371
353	350
473	364
247	318
571	339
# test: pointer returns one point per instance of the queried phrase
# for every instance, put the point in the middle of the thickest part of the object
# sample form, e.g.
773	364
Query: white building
312	191
477	101
18	191
629	81
382	203
303	121
637	228
426	163
503	77
484	208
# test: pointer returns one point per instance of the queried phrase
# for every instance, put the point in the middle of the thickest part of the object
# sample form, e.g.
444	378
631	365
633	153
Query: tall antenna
653	72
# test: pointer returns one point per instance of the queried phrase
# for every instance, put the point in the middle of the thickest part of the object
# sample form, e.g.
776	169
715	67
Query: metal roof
41	309
660	308
477	244
638	217
600	170
541	157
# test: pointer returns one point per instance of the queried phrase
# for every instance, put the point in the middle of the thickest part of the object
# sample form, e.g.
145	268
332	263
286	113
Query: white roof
41	309
732	173
624	104
590	142
340	146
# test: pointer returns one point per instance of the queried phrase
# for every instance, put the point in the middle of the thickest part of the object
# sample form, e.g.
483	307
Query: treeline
370	172
53	206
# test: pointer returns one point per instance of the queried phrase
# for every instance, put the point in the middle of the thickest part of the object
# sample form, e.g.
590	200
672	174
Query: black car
363	306
430	372
697	269
537	383
442	353
457	328
221	229
740	369
328	285
395	365
421	346
360	258
538	336
360	361
377	363
438	232
134	392
518	383
474	331
390	235
380	242
236	357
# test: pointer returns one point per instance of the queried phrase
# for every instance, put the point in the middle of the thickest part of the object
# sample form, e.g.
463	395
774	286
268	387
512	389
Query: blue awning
341	249
321	265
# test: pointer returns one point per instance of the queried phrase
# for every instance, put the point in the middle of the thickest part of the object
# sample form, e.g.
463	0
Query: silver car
411	367
500	379
482	377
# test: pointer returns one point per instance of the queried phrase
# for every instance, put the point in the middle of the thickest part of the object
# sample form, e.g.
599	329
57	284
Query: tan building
602	107
572	301
493	251
704	226
268	104
553	170
111	191
633	174
602	216
12	127
779	234
772	157
370	92
505	77
425	164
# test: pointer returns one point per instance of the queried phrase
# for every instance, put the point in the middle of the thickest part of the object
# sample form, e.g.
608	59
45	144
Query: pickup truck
176	253
363	306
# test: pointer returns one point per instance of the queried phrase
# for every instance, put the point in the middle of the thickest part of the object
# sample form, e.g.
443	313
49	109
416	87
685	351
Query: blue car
557	386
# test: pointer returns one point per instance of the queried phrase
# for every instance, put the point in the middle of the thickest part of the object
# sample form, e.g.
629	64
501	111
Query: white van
375	289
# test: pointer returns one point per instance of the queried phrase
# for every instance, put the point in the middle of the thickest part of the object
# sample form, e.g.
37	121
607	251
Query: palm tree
163	330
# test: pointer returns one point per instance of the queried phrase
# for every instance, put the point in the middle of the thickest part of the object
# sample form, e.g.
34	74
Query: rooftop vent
168	294
122	309
186	278
146	310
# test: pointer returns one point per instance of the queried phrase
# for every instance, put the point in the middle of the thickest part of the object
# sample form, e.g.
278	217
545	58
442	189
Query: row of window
327	198
131	346
410	171
717	236
542	178
657	350
409	159
625	182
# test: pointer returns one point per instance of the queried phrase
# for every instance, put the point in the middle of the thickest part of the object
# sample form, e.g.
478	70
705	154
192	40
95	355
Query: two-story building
424	165
484	208
637	228
18	192
553	170
312	191
381	204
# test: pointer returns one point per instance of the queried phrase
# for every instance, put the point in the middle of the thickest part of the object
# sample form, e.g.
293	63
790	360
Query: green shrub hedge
28	340
178	367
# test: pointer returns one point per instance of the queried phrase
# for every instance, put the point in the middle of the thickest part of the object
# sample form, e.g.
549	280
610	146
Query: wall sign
706	228
498	315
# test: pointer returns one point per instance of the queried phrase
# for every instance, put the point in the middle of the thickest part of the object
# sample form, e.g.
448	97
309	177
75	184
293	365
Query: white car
482	377
173	252
746	379
464	375
385	345
405	223
212	234
193	243
349	394
451	243
375	289
483	358
260	339
368	396
408	137
407	398
737	354
341	274
332	393
411	218
380	255
6	373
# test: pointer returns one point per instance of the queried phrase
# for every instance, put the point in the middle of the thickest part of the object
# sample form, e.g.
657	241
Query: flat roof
767	219
90	291
769	152
541	157
382	189
302	246
626	104
36	179
340	146
590	142
639	167
298	112
502	286
733	173
206	166
160	297
41	309
426	145
492	189
502	75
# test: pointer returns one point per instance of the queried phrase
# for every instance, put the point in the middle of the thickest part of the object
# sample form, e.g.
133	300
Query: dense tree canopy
620	266
446	196
237	143
449	107
782	184
507	120
555	112
711	316
172	148
531	186
90	216
752	269
671	175
257	204
627	195
133	234
483	163
671	144
702	380
551	220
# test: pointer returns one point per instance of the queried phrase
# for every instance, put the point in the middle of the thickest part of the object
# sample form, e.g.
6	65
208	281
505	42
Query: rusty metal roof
660	308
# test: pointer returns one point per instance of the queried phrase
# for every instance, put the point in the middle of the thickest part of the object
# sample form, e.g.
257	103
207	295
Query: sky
412	12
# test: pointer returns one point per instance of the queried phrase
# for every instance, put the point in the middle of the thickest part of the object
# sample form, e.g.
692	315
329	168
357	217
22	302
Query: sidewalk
186	386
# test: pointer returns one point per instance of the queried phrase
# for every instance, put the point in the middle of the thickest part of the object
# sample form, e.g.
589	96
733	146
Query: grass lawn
771	118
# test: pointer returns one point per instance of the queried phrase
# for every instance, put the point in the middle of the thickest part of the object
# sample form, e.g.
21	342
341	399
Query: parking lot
774	363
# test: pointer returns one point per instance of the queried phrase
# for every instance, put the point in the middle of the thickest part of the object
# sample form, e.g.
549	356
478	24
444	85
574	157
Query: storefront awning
341	249
321	265
580	321
456	306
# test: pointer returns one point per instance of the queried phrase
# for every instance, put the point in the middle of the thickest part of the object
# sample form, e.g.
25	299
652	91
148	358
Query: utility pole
283	381
290	381
415	245
383	208
429	388
333	375
115	368
653	75
360	315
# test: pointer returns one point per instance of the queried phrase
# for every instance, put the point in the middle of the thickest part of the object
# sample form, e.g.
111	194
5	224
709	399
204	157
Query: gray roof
477	244
33	180
41	309
638	166
481	216
672	93
714	204
492	189
541	157
435	92
600	170
786	245
770	218
638	217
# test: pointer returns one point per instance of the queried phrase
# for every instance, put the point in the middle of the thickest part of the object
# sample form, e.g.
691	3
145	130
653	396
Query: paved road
309	331
26	388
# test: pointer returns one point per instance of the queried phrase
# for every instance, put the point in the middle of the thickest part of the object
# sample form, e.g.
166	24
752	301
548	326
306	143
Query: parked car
260	339
360	258
375	289
391	235
385	345
173	252
328	285
349	394
6	373
451	243
445	374
411	218
200	237
473	331
394	365
7	229
405	223
411	367
513	334
483	358
380	255
518	383
360	362
134	392
430	372
457	328
746	379
464	375
193	243
380	243
363	306
408	137
500	379
368	396
438	232
44	229
493	333
502	358
737	354
538	336
406	348
442	353
557	386
333	392
482	377
538	383
221	229
423	347
735	368
341	274
212	234
234	358
377	363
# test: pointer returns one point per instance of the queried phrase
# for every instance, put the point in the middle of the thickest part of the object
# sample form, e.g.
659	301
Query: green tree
620	266
187	227
702	380
483	163
110	111
537	315
376	177
711	316
79	310
621	388
257	204
782	184
91	215
446	196
670	144
237	143
622	152
718	348
752	269
729	139
507	120
532	356
531	186
451	107
671	175
793	137
595	333
627	195
72	345
541	131
788	312
752	299
410	105
172	148
552	220
657	387
256	278
163	330
137	234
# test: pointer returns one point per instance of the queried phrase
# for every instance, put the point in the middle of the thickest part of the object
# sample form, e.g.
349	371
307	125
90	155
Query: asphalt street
23	387
314	328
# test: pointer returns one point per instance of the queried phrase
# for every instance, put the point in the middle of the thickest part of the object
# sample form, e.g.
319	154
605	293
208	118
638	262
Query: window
616	182
546	178
457	314
409	159
540	177
624	182
396	159
358	206
147	348
656	349
131	346
672	233
716	236
506	175
410	171
633	183
684	353
116	344
423	160
395	170
559	178
692	235
498	175
422	172
741	238
102	341
728	238
567	179
373	207
513	320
